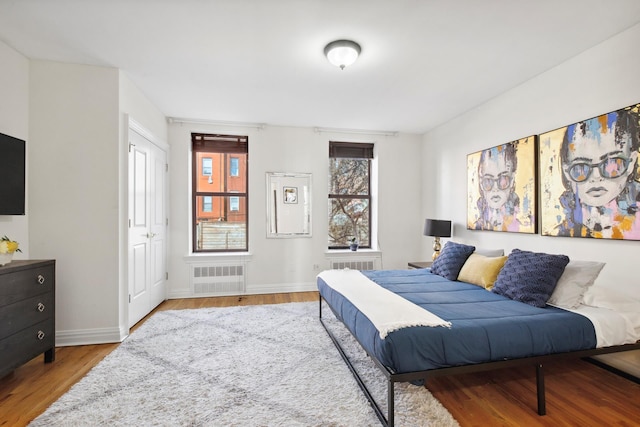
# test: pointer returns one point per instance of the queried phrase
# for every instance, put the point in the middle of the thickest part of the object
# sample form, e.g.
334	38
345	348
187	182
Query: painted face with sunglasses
498	203
496	177
598	160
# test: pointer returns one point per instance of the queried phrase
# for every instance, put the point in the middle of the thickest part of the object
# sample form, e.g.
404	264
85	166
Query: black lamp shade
437	228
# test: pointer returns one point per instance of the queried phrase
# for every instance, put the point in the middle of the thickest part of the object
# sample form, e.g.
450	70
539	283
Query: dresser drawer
28	343
17	316
21	284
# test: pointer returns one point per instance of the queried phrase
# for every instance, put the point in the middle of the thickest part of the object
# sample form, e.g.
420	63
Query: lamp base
436	248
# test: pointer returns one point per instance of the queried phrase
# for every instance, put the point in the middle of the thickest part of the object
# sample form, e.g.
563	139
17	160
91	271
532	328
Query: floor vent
353	264
214	280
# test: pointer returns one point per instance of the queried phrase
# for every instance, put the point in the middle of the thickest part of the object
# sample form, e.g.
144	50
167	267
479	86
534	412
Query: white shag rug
266	365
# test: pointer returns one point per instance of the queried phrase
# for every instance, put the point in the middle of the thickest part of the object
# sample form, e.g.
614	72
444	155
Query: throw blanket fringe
387	311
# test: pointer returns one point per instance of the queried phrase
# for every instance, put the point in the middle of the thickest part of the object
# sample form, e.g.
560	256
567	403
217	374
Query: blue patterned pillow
530	277
451	259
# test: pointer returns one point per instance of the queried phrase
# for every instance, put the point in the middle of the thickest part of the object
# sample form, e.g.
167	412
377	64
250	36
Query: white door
147	226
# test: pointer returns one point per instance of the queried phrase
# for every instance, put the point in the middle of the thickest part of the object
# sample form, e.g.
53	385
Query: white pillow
577	277
626	305
489	252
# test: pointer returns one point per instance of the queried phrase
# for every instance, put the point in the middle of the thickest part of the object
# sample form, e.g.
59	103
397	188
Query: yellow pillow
481	270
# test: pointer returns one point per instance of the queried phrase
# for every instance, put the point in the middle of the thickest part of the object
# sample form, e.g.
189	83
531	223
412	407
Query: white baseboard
186	293
281	288
254	290
89	336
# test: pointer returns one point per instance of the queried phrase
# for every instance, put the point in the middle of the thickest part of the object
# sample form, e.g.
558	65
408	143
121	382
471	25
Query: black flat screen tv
12	175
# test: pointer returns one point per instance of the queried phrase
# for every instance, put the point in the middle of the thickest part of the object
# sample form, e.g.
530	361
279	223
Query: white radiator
354	264
218	279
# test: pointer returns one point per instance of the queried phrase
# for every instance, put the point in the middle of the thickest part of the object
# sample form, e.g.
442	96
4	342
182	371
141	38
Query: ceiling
423	62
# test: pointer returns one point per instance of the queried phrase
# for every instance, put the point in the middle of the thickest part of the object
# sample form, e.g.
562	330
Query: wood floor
578	392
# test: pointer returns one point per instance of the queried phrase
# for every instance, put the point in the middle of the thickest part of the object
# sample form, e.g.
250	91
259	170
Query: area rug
266	365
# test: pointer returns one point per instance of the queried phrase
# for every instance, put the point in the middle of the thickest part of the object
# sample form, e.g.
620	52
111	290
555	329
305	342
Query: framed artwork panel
290	194
501	187
589	177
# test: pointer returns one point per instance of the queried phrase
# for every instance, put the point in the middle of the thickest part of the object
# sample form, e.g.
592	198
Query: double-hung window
349	194
235	166
220	198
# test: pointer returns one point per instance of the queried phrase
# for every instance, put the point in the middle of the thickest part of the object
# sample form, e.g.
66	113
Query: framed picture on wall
501	187
290	194
589	177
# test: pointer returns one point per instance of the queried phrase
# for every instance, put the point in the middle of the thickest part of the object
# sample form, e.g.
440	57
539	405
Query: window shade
220	143
351	150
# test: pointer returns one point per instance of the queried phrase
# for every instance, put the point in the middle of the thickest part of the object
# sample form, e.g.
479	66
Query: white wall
284	265
14	121
602	79
77	166
73	193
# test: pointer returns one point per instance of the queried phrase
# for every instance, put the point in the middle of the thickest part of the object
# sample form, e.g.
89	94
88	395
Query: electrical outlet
316	267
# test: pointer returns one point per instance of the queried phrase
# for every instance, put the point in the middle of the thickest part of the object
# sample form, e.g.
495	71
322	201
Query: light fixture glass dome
342	53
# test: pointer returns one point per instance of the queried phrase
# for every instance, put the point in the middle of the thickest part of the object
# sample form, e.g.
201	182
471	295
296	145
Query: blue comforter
485	326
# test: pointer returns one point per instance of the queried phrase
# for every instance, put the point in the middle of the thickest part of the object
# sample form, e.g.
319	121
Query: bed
416	324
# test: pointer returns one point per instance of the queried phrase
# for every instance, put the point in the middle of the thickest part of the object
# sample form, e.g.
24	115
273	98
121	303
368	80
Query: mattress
484	326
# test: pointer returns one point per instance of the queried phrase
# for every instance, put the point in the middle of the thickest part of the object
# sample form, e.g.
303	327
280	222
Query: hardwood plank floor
578	393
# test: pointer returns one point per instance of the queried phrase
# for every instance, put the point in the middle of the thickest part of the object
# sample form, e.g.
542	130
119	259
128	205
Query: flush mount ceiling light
342	53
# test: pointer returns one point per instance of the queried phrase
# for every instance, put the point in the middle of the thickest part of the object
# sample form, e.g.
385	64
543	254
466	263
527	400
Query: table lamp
437	228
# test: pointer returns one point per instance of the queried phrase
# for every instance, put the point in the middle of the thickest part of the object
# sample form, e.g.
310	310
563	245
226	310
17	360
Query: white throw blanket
386	310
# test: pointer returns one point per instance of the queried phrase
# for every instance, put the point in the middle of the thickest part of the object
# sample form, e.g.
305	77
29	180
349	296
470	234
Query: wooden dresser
27	313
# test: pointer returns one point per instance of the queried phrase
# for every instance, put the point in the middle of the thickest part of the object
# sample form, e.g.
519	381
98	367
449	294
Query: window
234	203
349	194
235	166
207	166
207	203
219	204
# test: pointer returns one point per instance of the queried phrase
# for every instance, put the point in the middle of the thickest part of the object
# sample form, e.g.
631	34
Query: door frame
132	125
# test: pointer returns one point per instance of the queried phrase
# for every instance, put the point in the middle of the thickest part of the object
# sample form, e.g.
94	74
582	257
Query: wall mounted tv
12	175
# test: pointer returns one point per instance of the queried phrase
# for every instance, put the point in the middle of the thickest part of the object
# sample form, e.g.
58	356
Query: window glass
207	204
206	166
217	177
235	166
234	203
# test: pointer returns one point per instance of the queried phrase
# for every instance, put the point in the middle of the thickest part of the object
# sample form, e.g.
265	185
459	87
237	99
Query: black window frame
354	150
219	144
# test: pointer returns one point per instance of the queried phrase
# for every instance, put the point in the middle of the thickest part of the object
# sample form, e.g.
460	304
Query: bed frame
392	378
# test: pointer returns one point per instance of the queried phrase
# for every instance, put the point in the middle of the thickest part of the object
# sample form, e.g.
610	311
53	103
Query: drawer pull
40	335
40	279
40	307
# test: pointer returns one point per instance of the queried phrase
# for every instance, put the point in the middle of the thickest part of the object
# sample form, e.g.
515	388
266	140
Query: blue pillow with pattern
451	259
530	277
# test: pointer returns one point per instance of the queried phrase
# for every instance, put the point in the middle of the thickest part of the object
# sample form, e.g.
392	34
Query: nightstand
419	264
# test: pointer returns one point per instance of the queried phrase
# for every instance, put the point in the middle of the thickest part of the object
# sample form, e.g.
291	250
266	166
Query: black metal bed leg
387	422
542	406
390	402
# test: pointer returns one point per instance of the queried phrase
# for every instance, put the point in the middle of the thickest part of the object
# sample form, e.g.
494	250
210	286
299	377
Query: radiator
354	264
218	279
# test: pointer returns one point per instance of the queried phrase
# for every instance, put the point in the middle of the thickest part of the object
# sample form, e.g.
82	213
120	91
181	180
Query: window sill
349	252
221	256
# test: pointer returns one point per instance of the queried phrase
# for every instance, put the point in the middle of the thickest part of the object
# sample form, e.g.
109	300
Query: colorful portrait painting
501	187
589	177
